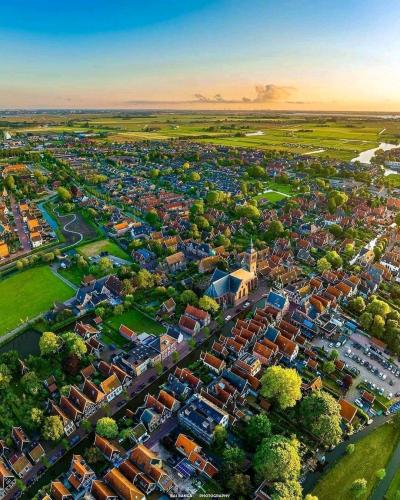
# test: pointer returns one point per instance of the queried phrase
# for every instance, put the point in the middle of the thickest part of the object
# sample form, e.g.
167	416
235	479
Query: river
366	156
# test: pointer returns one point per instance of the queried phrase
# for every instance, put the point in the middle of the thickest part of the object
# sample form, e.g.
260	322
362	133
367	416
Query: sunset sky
200	54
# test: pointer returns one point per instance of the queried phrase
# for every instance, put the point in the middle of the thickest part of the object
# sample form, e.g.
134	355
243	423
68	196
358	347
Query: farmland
341	137
27	294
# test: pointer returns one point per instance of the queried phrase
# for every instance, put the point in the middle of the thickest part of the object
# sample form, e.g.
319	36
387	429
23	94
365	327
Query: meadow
27	294
336	136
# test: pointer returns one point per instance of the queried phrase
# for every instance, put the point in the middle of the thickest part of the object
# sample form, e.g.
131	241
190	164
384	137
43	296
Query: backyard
371	453
95	248
26	294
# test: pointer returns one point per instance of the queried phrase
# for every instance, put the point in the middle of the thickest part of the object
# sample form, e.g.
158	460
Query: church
230	289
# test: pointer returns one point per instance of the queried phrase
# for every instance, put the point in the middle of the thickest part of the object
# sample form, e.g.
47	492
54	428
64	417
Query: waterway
366	156
49	219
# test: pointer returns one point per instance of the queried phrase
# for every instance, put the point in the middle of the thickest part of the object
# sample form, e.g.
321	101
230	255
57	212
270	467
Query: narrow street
19	224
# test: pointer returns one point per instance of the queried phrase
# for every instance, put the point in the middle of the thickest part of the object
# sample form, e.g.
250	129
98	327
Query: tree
275	228
74	344
334	259
333	355
379	307
93	455
127	287
366	320
287	490
359	487
323	265
380	474
194	176
233	459
31	383
118	309
152	217
277	459
378	326
107	427
350	449
64	194
257	429
240	486
53	428
144	279
188	297
5	376
247	210
282	385
175	357
320	413
220	434
310	497
329	367
105	265
49	343
201	222
208	304
357	305
158	367
36	415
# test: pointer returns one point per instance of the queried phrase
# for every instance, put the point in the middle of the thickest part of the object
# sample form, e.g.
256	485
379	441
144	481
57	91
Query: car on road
74	440
228	318
121	403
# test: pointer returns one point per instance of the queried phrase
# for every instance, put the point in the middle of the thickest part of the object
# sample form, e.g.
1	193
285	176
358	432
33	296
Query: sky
200	54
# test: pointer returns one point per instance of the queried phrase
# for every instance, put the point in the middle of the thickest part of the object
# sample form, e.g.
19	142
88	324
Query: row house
201	417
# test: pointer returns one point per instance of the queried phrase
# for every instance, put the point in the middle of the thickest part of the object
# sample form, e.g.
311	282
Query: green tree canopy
281	385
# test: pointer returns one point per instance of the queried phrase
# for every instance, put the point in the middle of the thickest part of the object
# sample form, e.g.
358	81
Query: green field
92	249
339	136
394	488
272	196
137	321
371	453
26	294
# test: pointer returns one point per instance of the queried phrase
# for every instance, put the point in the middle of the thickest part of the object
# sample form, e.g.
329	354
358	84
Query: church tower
251	259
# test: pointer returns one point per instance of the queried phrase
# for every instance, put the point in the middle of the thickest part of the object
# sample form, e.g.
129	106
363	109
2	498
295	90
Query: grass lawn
26	294
97	247
137	321
394	488
272	196
371	453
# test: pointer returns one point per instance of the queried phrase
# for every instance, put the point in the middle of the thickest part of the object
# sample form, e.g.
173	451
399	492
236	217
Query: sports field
27	294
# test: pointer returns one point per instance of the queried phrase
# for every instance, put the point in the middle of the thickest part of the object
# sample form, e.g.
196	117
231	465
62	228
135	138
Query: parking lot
370	365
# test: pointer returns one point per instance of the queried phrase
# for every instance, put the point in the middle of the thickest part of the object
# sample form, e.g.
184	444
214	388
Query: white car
228	318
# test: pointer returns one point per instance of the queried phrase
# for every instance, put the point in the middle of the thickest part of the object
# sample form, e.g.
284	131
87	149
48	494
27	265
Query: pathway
80	235
333	456
392	467
67	282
